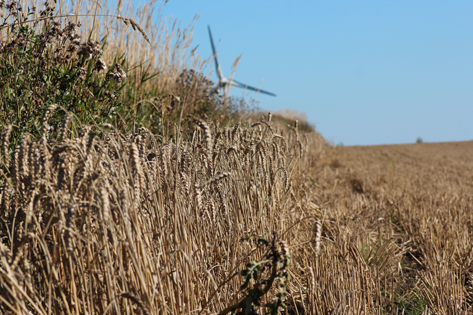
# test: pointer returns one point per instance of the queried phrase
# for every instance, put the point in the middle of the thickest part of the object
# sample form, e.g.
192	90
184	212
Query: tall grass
127	66
113	223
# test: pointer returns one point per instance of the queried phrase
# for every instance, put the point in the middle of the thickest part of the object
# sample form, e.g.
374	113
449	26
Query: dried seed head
119	70
85	137
75	42
198	196
86	51
33	155
71	212
15	168
24	169
234	131
5	144
139	184
44	121
125	20
105	204
166	158
185	162
312	279
137	26
117	75
317	235
209	144
66	120
100	65
213	212
81	73
286	179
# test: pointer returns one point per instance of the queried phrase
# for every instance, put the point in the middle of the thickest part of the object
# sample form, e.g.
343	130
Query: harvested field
415	202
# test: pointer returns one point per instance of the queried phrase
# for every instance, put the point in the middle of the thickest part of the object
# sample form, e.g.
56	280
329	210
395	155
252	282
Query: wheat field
109	222
180	203
129	223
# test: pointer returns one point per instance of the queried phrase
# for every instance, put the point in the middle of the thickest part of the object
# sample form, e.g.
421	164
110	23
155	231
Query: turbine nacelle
226	83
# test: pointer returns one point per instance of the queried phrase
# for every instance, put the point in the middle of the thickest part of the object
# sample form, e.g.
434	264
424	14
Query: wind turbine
226	83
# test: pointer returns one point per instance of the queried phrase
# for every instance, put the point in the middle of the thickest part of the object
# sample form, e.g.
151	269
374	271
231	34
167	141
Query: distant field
415	201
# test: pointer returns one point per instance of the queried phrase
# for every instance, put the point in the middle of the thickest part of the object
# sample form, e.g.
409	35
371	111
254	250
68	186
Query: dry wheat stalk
15	167
209	144
139	183
71	211
138	250
105	202
66	121
198	197
24	163
135	27
44	121
5	143
317	236
234	131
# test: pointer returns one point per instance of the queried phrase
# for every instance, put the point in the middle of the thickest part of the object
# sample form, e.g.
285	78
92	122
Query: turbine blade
244	86
217	65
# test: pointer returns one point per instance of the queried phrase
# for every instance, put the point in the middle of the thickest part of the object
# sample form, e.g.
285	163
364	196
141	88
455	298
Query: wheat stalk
44	121
5	143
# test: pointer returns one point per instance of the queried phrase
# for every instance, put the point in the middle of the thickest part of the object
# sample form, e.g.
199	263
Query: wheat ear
318	235
135	27
44	121
5	144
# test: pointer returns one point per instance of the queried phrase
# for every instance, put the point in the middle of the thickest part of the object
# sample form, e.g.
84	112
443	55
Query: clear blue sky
364	72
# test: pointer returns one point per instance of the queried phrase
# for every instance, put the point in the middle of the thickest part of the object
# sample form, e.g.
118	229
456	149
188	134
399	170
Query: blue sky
364	72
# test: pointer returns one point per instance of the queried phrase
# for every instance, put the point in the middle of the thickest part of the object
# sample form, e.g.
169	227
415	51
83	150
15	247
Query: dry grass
135	223
112	223
158	57
141	32
407	210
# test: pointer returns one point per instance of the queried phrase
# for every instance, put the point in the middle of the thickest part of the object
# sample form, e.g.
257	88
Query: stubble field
414	202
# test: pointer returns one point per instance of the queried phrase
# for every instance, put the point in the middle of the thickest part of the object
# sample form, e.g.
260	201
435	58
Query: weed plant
47	58
52	66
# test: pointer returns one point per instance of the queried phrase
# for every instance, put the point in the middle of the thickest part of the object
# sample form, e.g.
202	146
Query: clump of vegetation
46	58
258	279
283	118
43	63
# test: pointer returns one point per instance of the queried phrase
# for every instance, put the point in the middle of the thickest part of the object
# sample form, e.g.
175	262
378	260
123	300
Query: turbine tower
224	83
